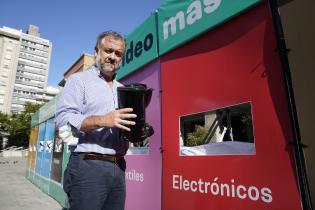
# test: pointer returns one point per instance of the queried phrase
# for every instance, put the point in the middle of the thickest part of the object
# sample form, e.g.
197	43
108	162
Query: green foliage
196	138
18	125
248	129
4	118
31	108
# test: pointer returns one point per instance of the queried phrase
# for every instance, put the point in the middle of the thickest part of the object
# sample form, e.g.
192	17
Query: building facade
24	65
9	54
81	64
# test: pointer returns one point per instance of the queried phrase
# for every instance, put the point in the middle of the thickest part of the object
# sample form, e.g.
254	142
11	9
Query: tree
19	125
4	119
196	137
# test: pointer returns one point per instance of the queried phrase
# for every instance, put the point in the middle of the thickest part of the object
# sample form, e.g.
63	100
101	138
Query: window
140	148
3	83
9	49
58	145
224	131
8	57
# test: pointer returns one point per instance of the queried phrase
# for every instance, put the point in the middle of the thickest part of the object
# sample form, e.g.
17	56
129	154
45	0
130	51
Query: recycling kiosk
31	158
39	155
225	127
49	140
219	111
225	121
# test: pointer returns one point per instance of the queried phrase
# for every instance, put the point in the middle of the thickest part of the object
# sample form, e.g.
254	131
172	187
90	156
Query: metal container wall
56	167
65	158
49	141
30	148
40	148
30	165
143	173
39	154
233	64
33	144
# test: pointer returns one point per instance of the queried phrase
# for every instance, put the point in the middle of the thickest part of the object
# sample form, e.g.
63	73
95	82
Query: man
95	178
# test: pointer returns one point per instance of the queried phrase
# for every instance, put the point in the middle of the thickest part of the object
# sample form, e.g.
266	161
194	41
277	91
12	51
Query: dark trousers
95	184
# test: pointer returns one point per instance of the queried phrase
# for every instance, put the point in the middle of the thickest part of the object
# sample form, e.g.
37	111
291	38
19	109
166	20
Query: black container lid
134	87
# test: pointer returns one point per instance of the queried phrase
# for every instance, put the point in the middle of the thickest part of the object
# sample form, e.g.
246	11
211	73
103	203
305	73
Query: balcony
42	54
16	101
27	89
33	59
31	77
33	65
39	47
22	95
29	83
40	72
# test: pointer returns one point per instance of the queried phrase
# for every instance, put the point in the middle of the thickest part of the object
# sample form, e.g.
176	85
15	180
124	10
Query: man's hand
119	118
115	119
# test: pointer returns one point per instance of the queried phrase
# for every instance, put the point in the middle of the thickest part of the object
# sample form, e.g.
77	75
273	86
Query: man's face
109	55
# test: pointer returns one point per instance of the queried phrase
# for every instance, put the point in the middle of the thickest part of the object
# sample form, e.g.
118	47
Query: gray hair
110	33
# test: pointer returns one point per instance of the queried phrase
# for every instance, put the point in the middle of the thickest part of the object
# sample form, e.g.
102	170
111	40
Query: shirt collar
97	71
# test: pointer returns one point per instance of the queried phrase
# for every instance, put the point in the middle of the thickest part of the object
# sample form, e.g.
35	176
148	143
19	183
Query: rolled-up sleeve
71	103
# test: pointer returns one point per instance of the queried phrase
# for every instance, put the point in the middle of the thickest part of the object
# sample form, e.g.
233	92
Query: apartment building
24	65
9	54
81	64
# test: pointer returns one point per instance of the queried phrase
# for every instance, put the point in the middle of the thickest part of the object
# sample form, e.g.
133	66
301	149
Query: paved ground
16	192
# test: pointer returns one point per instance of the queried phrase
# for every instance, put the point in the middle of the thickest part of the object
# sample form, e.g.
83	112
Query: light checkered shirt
86	94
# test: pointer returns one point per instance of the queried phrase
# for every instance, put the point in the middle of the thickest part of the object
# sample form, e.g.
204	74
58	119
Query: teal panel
48	110
29	175
35	119
42	183
56	191
37	180
48	148
66	156
182	20
141	47
45	184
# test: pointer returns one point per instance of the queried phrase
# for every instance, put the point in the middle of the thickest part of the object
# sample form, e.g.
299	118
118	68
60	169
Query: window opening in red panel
223	131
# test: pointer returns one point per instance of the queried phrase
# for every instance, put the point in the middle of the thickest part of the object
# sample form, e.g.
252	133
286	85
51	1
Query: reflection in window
139	148
57	158
58	144
227	130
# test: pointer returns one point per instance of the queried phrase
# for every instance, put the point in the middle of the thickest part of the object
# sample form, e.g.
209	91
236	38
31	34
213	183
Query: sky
73	25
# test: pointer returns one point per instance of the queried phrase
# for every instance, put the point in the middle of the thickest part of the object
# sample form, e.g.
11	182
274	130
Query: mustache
111	61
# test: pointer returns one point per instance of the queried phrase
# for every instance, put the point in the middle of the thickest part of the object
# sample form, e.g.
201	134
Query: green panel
29	175
45	184
48	110
49	187
65	160
141	47
37	180
57	98
35	119
56	191
32	176
42	183
181	20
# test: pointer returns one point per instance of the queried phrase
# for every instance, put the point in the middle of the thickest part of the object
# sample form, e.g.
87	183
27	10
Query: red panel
232	64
